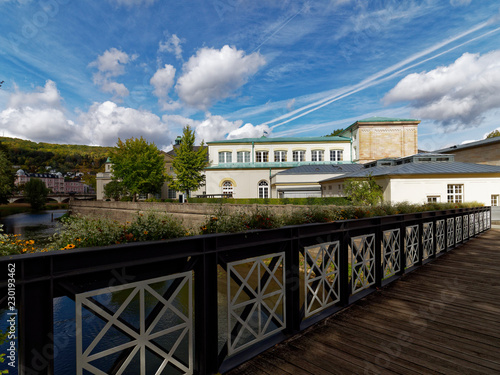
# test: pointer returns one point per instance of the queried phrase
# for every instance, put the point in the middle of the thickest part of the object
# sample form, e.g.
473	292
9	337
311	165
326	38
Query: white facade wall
417	190
245	181
214	149
479	189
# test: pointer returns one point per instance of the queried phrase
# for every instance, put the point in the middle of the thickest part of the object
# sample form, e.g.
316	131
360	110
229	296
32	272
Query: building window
262	156
455	193
336	155
227	188
263	189
279	156
299	155
433	199
494	200
225	157
243	156
317	155
171	194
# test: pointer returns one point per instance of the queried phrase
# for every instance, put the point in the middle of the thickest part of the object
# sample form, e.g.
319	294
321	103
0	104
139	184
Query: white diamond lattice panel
428	240
256	302
321	279
391	251
458	229
488	220
471	225
465	222
450	227
476	221
439	236
143	328
411	245
481	221
363	262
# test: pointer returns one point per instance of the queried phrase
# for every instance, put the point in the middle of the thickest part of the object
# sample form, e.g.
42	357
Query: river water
33	226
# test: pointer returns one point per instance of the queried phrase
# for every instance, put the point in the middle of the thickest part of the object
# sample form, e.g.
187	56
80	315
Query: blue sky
88	72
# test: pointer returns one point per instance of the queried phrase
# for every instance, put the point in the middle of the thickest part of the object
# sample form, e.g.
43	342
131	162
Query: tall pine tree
189	163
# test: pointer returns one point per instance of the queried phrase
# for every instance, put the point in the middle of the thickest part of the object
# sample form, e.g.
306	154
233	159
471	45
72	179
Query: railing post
206	343
402	247
345	289
420	238
378	254
36	329
292	284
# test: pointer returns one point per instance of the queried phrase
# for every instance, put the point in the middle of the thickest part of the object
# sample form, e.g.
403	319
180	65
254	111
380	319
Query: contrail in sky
379	77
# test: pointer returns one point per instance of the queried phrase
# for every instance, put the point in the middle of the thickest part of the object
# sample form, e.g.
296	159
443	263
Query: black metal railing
206	304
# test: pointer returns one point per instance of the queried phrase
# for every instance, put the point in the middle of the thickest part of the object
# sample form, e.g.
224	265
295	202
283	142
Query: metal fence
205	304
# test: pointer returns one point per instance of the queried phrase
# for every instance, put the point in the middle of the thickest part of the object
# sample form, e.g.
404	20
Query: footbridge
59	198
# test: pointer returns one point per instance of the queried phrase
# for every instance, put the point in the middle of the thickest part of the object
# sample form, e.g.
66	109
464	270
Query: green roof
284	140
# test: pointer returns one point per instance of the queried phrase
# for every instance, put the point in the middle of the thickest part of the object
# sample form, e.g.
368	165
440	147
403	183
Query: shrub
12	244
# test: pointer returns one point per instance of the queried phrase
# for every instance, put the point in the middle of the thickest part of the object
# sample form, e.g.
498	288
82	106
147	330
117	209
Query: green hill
35	157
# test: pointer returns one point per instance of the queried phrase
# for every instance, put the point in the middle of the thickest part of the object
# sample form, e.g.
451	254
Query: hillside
35	157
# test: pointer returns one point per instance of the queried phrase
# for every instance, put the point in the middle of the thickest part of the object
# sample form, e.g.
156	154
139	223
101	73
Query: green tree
6	176
335	132
188	164
139	165
364	191
115	190
493	134
36	193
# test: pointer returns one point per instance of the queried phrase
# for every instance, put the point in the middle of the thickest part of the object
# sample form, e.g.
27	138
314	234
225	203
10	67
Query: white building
246	168
425	178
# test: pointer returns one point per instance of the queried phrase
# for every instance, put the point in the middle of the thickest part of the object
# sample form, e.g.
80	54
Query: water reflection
34	226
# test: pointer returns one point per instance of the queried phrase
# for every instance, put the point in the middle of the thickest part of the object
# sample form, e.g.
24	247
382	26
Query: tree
36	193
6	176
188	164
115	190
363	191
139	165
493	134
335	132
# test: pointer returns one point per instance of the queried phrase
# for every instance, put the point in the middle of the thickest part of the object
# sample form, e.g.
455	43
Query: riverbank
18	208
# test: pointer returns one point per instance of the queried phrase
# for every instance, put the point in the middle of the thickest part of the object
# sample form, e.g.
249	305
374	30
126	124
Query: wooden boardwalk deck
441	319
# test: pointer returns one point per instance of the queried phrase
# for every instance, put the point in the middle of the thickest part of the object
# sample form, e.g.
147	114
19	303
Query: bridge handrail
315	270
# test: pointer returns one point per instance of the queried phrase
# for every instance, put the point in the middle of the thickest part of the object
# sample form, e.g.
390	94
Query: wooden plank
418	324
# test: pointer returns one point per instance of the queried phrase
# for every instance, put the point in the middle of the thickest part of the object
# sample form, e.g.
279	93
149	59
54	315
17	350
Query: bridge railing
205	304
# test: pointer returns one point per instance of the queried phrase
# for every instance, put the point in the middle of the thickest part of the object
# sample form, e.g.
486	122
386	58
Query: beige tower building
377	138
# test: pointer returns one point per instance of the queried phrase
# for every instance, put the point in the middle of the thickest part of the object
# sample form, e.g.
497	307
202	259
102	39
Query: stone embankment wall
193	215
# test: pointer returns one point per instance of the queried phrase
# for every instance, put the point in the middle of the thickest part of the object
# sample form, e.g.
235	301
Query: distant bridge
59	198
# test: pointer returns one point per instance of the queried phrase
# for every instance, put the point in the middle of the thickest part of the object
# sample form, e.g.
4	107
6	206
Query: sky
90	72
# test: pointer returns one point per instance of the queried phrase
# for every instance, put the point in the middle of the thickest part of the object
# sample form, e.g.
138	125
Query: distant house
486	151
54	182
424	178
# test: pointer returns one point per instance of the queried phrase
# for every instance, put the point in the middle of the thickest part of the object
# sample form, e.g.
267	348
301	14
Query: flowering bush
12	244
87	232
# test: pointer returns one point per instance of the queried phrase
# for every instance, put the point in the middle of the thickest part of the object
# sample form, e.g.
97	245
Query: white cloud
38	124
215	128
111	64
42	118
47	96
172	45
249	131
290	104
105	122
38	116
459	94
212	75
163	81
